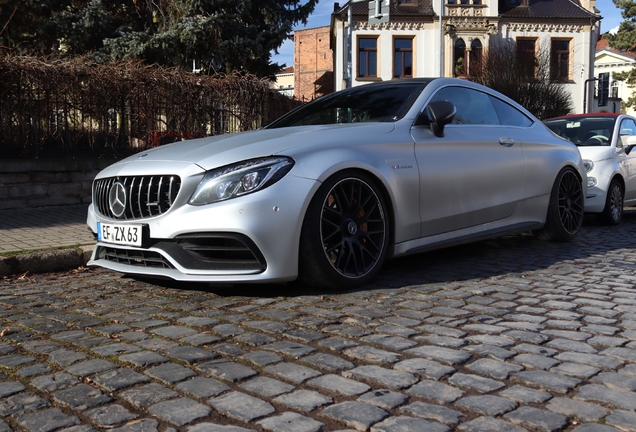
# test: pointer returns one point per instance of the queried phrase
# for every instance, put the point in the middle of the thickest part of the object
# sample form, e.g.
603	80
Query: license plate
128	234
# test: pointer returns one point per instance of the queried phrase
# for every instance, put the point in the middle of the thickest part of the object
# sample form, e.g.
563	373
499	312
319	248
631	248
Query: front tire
565	210
613	211
345	234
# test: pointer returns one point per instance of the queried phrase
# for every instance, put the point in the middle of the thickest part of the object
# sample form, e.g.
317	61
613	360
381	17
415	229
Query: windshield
584	131
366	103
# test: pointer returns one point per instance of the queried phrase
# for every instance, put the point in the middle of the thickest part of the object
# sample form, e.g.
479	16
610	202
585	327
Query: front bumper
597	195
253	238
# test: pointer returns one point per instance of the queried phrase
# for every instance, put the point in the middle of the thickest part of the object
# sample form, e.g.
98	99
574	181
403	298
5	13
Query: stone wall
48	182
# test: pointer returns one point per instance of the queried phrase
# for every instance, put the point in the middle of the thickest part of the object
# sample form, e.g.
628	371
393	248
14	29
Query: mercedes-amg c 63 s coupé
331	190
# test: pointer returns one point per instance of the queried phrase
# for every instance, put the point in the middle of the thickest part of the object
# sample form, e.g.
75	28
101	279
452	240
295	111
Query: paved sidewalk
44	228
47	239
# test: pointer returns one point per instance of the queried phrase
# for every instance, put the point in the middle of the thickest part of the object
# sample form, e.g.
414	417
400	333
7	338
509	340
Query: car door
475	173
627	162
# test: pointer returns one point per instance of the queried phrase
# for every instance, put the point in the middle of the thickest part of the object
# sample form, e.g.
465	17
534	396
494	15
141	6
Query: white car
332	189
605	141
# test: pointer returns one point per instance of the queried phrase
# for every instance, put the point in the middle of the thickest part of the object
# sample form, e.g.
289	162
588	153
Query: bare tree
524	77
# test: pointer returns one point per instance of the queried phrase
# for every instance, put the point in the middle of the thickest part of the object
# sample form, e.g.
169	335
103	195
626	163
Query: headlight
240	179
588	164
591	182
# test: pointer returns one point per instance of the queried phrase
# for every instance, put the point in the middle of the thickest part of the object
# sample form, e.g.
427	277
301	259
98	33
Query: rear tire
565	211
613	211
345	234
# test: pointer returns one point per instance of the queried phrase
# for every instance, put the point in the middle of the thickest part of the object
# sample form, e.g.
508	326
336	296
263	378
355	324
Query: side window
560	60
527	61
509	115
402	57
628	128
367	57
473	106
459	52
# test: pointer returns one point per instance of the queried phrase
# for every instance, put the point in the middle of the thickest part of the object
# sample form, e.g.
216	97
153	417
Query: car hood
215	151
597	153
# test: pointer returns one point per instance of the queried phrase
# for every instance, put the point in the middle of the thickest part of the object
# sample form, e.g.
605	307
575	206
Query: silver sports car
331	190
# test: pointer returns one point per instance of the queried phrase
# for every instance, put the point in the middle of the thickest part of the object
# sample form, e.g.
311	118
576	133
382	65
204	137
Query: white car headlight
240	179
591	182
588	164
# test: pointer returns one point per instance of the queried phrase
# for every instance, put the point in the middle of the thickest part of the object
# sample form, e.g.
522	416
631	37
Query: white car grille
135	197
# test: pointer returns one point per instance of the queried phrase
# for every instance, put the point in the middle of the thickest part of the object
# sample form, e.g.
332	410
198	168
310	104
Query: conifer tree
219	35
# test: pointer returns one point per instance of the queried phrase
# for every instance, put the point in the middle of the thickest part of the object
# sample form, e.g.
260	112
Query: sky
322	17
610	13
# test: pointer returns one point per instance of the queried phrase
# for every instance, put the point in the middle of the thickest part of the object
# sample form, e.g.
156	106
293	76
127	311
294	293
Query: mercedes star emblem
117	199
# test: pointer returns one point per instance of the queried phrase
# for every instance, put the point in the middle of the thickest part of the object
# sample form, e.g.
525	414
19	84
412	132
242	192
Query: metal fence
80	108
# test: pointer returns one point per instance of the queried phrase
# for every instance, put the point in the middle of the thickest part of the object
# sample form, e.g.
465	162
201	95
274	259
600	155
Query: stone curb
46	261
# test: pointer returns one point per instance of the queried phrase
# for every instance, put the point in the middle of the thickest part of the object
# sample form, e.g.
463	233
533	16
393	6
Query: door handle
506	142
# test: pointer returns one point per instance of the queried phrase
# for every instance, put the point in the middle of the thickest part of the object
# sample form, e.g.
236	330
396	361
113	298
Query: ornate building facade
413	39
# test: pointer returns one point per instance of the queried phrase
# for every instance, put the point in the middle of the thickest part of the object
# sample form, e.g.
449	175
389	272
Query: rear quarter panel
545	155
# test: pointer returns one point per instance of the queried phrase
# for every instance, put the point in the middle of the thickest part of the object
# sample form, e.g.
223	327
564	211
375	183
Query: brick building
313	63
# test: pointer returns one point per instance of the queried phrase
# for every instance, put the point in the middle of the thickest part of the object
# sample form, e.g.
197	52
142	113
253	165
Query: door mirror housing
438	114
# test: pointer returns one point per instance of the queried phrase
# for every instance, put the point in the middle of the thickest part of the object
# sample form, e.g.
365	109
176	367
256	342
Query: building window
474	56
459	57
403	58
367	57
527	57
560	60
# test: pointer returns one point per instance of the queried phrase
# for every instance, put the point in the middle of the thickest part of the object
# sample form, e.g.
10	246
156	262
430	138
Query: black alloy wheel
345	235
571	202
565	210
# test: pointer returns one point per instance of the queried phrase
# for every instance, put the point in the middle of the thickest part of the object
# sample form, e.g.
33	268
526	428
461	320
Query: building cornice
391	25
543	27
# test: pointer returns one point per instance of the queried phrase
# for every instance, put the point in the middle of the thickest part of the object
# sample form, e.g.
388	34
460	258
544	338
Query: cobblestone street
510	334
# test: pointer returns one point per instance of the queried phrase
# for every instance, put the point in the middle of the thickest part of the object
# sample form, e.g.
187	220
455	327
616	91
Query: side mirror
631	142
438	114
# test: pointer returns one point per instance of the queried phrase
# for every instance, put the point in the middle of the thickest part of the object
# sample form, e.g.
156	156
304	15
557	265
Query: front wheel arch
313	266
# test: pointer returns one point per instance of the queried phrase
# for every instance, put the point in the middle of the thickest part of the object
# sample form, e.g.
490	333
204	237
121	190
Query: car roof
596	114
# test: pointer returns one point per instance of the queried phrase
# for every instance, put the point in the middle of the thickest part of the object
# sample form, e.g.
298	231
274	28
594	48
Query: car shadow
505	256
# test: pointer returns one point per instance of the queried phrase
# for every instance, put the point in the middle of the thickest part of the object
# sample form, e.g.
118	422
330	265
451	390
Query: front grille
145	196
138	258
